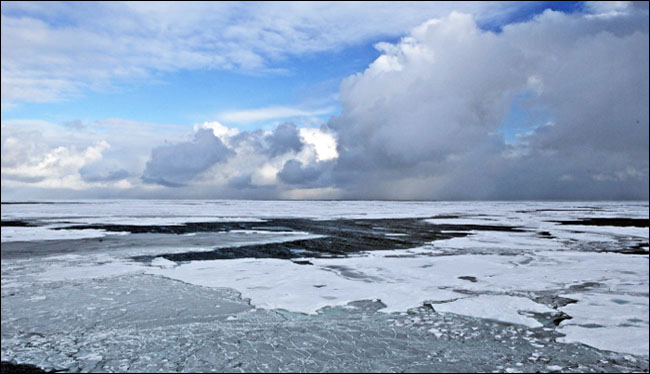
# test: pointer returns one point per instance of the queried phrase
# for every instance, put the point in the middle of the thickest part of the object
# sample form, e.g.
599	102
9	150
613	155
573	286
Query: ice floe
19	234
497	307
610	321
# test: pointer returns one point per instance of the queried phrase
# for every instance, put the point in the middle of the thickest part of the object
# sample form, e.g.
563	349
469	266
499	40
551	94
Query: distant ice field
534	215
238	209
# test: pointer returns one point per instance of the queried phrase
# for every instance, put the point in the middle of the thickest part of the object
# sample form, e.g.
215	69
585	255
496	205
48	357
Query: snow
61	272
490	240
435	332
497	307
465	221
264	232
608	321
152	221
280	284
162	263
406	282
510	268
621	339
505	212
15	234
600	231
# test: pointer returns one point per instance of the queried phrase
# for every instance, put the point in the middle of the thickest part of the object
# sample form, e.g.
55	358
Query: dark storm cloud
89	174
294	172
283	139
241	181
425	119
174	165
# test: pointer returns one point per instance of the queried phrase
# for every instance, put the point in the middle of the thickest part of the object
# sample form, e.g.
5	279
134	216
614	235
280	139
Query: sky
317	100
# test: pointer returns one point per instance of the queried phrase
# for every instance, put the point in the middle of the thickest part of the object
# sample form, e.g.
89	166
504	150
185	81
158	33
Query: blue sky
187	96
191	96
97	98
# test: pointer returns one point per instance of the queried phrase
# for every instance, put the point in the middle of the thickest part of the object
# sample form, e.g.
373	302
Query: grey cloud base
174	165
285	138
295	173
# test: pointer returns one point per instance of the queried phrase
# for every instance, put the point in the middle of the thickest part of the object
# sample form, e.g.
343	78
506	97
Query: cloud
262	155
428	119
212	160
76	154
54	168
53	52
283	139
293	172
322	141
425	119
96	173
241	181
269	113
220	131
174	165
611	8
269	162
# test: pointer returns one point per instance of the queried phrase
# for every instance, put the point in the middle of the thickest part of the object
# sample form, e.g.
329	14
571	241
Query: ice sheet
15	234
151	221
465	221
505	212
490	240
81	272
641	232
403	282
163	262
473	277
280	284
497	307
608	321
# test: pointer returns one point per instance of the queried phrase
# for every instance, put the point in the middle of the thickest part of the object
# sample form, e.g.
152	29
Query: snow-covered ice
17	234
612	321
524	278
403	282
497	307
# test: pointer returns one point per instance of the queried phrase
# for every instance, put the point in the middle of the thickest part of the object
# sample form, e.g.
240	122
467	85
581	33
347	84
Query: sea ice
16	234
497	275
497	307
608	321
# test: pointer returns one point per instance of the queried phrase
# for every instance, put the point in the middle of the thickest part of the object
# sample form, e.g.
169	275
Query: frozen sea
232	286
